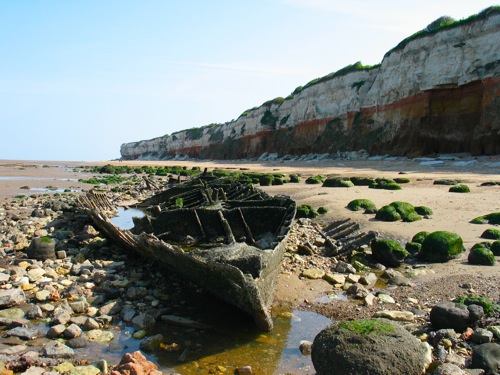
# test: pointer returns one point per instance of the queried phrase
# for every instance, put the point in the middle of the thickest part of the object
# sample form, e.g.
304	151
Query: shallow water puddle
124	218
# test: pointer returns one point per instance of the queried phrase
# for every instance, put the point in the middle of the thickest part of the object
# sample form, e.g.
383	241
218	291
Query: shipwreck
226	236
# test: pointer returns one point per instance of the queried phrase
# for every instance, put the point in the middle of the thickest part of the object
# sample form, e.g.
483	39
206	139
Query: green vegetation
306	211
266	180
269	120
459	189
493	218
402	180
179	202
495	248
491	234
441	246
51	187
358	204
398	211
284	119
367	326
362	181
488	306
385	183
444	23
45	239
337	182
481	256
423	211
315	179
388	252
322	210
420	237
447	181
294	178
25	187
413	247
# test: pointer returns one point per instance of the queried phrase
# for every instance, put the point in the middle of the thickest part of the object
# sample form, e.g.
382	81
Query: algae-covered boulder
413	247
459	189
493	218
441	246
42	248
423	211
481	256
358	204
388	213
337	182
306	211
420	236
388	252
495	248
398	211
491	234
368	347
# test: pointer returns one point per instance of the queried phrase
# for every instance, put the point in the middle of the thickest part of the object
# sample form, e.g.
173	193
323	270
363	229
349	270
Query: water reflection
124	218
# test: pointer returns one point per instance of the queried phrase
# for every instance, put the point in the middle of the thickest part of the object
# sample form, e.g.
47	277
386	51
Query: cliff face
434	94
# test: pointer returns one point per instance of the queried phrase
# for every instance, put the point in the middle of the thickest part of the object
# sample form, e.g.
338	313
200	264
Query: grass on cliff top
445	23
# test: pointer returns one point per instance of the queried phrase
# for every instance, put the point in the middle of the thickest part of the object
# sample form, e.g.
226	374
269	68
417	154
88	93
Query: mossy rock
306	211
294	178
367	326
315	180
277	181
459	189
402	180
362	181
420	236
447	182
488	306
266	180
495	248
423	211
413	247
388	252
485	244
481	256
441	246
358	204
385	186
491	234
388	213
337	182
322	210
493	218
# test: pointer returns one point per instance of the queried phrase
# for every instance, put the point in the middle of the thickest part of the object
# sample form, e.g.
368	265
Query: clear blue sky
79	78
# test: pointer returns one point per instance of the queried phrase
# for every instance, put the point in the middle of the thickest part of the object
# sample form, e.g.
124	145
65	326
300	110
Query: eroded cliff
436	92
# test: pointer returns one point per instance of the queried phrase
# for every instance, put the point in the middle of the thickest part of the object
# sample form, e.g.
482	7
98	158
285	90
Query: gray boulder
453	315
42	248
487	357
368	347
11	297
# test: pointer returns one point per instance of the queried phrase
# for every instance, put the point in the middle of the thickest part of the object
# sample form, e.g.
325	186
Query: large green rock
368	347
388	252
481	256
441	246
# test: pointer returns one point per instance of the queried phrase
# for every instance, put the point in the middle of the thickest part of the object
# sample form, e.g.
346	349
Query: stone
244	370
10	314
334	278
344	267
385	298
368	346
481	336
135	363
369	300
90	324
56	349
495	330
61	317
55	331
78	342
34	312
144	321
85	370
313	273
11	297
23	333
369	279
305	347
487	357
79	306
450	315
99	335
449	369
42	248
149	344
400	316
72	331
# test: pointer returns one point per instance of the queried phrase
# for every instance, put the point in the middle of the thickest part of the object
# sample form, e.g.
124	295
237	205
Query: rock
79	306
72	331
144	321
11	297
344	267
481	336
151	343
35	312
450	315
368	279
495	330
99	335
334	278
449	369
135	364
385	298
10	314
128	313
388	252
313	273
61	317
441	247
369	300
56	349
487	357
244	370
85	370
90	324
42	248
78	342
136	293
305	347
55	331
368	346
401	316
27	333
